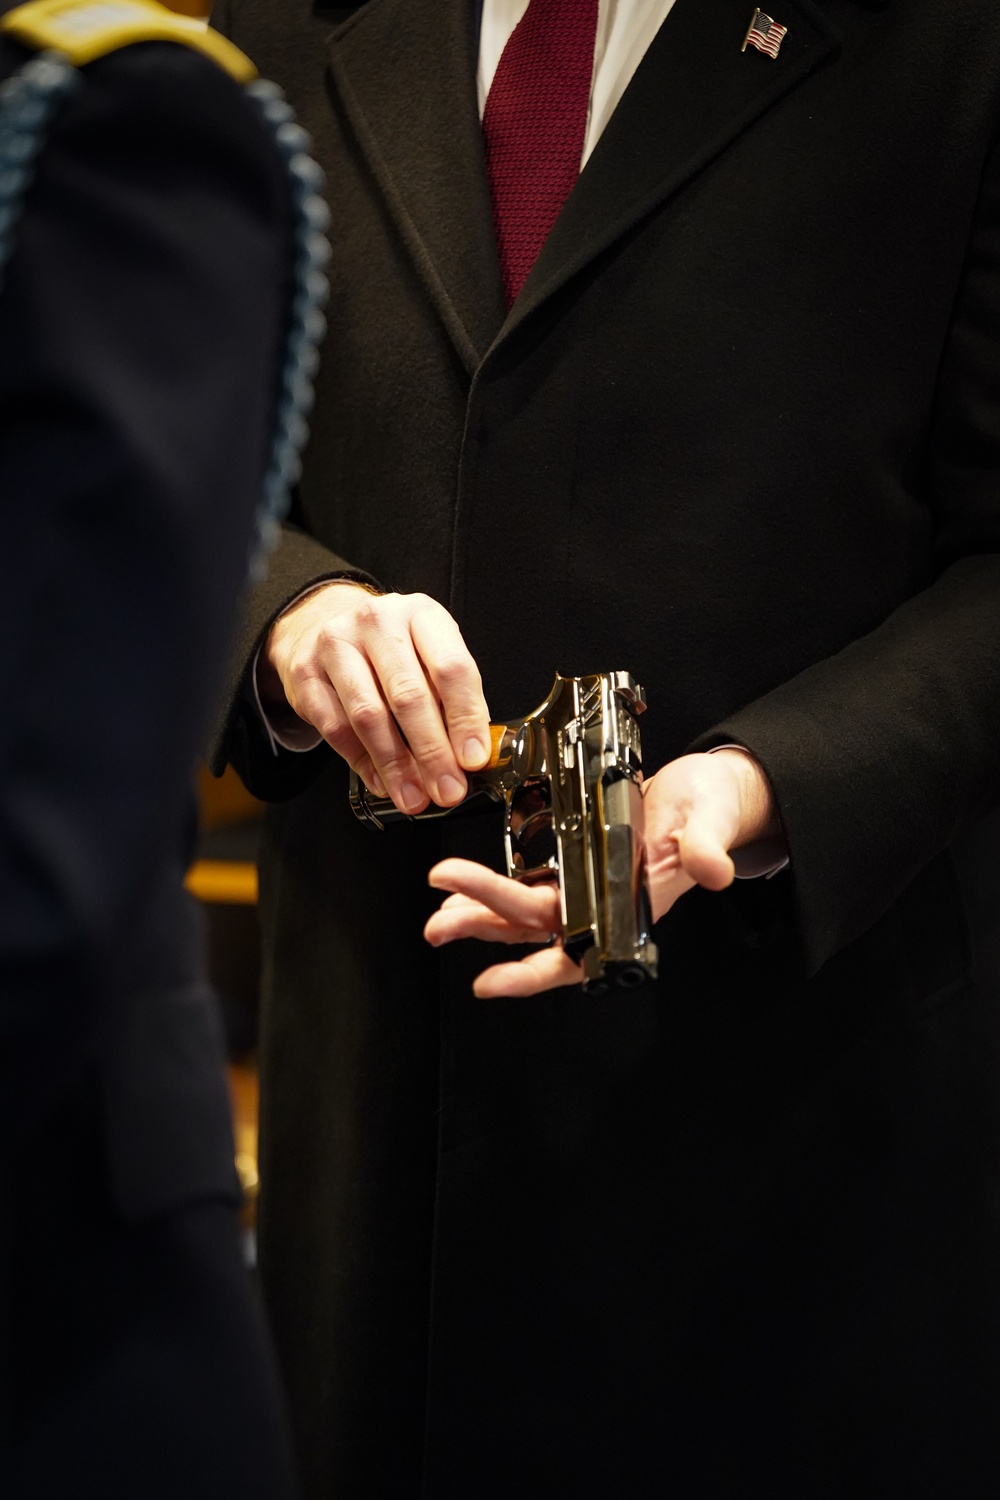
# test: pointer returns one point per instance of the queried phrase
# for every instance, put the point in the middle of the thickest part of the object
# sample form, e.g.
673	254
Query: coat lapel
693	94
405	71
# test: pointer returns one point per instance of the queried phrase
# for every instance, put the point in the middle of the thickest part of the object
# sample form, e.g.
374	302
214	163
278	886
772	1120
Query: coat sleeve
239	739
882	754
141	328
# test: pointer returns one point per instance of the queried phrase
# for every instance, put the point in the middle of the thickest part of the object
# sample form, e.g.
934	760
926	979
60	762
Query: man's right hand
388	682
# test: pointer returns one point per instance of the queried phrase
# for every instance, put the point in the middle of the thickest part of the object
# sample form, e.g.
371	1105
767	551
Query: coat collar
406	70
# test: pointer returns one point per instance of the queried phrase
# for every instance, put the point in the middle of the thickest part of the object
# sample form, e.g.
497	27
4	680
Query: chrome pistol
569	776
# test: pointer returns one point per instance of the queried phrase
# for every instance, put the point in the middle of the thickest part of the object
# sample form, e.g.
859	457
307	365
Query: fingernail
378	785
450	790
412	796
475	752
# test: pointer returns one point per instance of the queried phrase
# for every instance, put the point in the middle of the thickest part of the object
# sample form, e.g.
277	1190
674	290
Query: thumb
701	844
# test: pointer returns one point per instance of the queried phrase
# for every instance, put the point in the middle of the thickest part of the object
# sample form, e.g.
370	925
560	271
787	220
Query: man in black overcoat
735	1234
144	309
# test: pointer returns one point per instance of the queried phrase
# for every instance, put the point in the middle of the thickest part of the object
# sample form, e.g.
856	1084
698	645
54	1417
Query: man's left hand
698	809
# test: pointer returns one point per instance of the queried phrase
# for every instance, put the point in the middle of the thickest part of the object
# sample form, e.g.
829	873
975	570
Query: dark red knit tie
534	125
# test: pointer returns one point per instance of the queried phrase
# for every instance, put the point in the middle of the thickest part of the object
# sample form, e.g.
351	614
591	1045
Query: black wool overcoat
736	1234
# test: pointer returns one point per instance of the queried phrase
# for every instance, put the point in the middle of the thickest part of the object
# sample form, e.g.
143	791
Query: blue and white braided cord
308	324
28	100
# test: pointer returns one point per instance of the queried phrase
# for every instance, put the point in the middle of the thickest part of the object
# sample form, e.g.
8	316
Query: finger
450	924
366	770
665	858
457	681
318	704
522	905
667	883
704	856
415	709
547	969
459	900
371	724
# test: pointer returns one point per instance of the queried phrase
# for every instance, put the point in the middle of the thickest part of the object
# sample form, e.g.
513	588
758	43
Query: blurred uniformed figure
147	254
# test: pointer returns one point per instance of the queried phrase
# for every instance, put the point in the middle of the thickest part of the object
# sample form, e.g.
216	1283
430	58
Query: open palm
698	808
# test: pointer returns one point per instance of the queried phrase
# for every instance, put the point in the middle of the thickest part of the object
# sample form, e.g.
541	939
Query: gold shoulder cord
83	30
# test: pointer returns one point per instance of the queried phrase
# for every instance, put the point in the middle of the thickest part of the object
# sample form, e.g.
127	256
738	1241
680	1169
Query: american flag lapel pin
765	34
